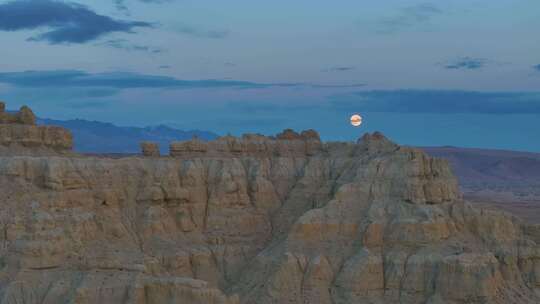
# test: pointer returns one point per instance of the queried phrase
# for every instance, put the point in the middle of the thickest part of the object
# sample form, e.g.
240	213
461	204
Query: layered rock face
286	144
20	135
256	220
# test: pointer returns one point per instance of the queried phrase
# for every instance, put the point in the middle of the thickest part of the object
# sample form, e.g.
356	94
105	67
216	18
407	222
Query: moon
356	120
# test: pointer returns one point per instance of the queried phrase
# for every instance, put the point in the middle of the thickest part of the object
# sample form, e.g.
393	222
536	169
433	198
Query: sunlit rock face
20	135
285	144
287	219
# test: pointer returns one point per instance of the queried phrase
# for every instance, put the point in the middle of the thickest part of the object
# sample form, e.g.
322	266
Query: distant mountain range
101	137
482	169
507	180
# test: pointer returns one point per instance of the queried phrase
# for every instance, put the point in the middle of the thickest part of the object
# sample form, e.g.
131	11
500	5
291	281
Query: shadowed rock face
370	222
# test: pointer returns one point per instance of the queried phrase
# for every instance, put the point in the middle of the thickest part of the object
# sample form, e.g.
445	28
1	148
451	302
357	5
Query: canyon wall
285	219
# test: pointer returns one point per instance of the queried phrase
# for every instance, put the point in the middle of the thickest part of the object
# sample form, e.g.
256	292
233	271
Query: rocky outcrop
20	135
286	144
25	116
256	220
150	149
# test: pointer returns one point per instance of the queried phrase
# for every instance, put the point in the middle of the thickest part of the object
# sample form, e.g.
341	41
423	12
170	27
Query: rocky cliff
285	219
20	135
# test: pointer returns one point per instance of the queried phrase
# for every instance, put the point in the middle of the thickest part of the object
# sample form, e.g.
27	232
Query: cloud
164	67
119	80
537	67
124	80
201	33
336	86
408	17
121	6
466	63
123	44
156	1
439	101
65	22
61	94
340	69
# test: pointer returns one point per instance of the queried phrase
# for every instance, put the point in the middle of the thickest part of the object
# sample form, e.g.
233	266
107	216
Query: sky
426	73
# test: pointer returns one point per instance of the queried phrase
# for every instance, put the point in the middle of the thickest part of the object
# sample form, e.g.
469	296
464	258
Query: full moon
356	120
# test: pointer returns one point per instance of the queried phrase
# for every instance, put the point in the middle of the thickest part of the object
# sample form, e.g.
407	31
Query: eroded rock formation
256	220
20	135
286	144
150	149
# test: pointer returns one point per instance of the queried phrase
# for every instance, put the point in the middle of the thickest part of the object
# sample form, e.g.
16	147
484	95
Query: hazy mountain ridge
480	168
509	180
102	137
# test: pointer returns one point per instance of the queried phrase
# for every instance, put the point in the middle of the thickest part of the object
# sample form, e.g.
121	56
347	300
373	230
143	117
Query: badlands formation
284	219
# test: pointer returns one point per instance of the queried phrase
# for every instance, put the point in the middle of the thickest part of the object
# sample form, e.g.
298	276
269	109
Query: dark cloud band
122	80
119	80
408	17
123	44
67	22
466	63
339	69
439	101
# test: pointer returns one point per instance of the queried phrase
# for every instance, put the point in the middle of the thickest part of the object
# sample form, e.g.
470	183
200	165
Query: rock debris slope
255	220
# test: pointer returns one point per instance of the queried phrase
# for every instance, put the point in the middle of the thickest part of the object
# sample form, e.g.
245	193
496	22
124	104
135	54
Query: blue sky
462	72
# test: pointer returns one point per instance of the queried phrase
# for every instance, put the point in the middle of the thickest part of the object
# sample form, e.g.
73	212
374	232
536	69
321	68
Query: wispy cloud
121	6
200	32
337	86
120	80
66	22
439	101
408	17
60	95
537	67
156	1
339	69
466	63
124	80
123	44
